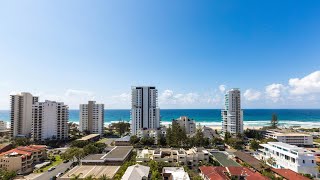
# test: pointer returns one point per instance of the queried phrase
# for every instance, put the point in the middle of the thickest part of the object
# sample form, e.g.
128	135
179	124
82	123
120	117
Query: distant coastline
307	118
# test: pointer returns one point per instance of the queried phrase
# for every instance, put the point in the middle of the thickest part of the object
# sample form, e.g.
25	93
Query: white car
59	174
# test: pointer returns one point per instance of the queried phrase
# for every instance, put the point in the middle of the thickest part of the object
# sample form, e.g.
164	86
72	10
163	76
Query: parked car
65	161
59	174
51	169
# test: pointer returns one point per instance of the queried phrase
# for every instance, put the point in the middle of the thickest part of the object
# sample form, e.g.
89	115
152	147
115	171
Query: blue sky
74	51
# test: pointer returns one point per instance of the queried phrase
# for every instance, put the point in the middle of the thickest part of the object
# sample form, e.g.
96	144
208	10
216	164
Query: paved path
60	168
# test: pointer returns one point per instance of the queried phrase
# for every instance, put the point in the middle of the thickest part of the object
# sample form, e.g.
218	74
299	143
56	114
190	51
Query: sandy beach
244	128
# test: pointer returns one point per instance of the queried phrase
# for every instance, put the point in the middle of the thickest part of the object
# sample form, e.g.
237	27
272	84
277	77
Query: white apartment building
50	121
190	158
3	125
232	115
285	156
21	114
92	118
297	139
188	124
145	113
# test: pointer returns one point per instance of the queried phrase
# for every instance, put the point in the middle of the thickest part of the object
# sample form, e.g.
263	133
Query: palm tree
91	177
76	177
104	177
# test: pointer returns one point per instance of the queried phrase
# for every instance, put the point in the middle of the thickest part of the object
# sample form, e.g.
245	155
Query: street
60	168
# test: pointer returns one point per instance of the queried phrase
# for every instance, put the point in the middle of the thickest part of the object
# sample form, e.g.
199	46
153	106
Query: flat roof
85	138
119	152
123	139
96	157
96	171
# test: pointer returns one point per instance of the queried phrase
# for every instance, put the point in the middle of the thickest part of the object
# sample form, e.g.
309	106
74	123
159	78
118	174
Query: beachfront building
145	113
3	125
190	158
21	114
50	121
232	115
297	139
285	156
186	123
22	158
92	118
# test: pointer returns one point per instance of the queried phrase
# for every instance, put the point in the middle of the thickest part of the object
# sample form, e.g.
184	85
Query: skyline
77	51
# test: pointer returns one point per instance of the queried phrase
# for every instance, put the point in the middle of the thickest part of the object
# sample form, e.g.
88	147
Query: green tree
21	141
254	145
7	175
121	127
227	135
90	149
104	177
134	139
73	152
274	121
76	177
147	141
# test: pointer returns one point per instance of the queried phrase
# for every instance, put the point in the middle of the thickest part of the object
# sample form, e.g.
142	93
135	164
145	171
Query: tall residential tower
145	113
232	115
50	121
92	117
21	114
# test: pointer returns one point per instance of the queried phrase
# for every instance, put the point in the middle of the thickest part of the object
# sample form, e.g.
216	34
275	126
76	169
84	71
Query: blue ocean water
252	117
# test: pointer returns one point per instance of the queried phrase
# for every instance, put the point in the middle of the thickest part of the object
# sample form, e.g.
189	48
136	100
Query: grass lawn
316	140
55	163
103	140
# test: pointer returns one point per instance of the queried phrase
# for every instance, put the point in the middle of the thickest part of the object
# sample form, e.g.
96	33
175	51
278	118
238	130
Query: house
174	173
136	172
124	141
228	173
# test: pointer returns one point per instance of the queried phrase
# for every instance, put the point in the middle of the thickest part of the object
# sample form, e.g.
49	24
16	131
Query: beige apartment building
22	159
188	124
92	118
190	158
21	114
298	139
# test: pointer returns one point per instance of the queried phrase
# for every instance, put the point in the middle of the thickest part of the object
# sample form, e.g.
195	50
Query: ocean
212	117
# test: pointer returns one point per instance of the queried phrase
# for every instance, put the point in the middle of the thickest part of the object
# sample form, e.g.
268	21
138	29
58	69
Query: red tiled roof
289	174
217	173
16	151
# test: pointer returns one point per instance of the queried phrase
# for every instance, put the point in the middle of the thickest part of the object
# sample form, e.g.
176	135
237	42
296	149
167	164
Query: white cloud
274	91
73	92
222	88
307	85
169	97
252	95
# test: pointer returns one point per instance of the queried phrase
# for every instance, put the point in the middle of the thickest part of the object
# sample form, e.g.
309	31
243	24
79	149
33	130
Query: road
60	168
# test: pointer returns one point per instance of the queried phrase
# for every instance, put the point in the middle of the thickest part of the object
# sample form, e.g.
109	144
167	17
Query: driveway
60	168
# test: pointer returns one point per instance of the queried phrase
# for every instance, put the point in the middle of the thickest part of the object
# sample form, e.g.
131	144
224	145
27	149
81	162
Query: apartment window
312	161
303	161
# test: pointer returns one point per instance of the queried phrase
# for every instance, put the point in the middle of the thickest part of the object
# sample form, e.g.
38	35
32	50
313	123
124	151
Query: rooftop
224	160
96	171
88	137
136	172
254	163
289	174
125	138
119	152
219	173
177	173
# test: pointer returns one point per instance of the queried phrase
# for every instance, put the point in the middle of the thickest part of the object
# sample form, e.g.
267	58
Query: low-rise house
288	174
22	159
116	156
297	139
136	172
285	156
124	141
228	173
174	173
191	157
